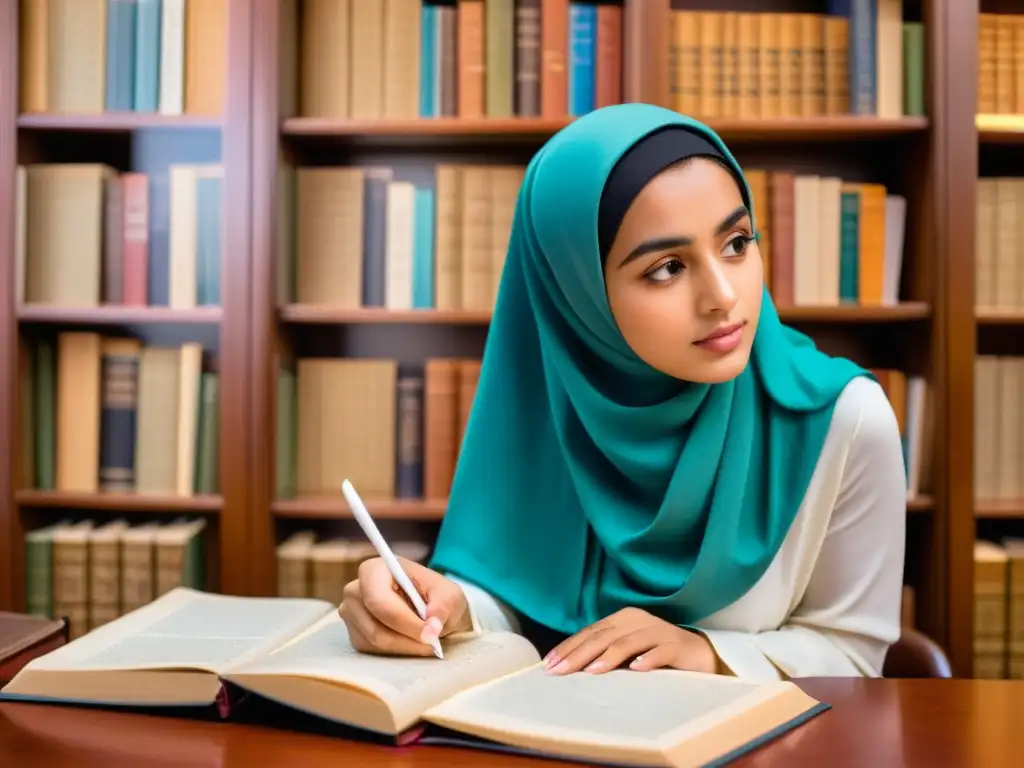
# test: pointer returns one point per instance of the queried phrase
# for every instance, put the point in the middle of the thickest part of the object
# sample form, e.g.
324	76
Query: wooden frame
251	322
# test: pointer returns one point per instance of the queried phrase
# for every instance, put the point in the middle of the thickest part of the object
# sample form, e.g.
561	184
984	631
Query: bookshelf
913	155
268	131
131	126
997	300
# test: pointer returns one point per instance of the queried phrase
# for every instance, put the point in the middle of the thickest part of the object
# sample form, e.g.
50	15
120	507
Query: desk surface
890	723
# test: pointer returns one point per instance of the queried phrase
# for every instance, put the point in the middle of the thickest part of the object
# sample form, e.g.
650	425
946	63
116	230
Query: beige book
104	543
324	58
79	376
488	687
190	371
294	564
138	571
807	253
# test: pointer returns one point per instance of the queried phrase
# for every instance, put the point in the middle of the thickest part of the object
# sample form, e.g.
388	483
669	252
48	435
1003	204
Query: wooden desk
890	723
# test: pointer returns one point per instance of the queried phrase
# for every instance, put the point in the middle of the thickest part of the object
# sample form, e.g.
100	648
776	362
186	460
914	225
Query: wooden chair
916	655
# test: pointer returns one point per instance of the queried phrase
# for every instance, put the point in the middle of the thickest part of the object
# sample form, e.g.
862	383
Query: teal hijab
588	481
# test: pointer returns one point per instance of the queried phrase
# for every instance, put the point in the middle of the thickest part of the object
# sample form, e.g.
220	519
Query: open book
180	650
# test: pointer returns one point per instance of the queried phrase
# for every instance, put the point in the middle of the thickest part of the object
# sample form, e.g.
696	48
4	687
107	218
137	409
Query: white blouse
829	603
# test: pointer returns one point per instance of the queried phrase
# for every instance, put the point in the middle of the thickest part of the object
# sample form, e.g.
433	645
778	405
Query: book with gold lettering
189	648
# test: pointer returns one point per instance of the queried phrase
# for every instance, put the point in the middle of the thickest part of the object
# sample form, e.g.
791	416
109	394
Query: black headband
641	163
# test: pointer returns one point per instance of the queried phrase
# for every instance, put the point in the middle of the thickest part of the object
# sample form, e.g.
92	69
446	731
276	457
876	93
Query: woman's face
684	275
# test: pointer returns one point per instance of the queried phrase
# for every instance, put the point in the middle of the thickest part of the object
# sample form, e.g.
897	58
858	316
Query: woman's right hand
381	620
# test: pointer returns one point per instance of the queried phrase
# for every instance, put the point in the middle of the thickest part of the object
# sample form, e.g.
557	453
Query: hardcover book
190	648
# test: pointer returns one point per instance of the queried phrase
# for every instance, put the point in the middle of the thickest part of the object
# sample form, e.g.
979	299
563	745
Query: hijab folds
588	481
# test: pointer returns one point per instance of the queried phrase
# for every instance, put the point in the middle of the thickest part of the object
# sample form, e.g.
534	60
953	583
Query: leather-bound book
24	637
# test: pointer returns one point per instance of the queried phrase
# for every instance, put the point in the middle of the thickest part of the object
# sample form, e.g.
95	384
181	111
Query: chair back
916	655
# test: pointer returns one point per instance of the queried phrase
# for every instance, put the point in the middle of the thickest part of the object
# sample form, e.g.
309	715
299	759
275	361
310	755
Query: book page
406	683
633	711
187	629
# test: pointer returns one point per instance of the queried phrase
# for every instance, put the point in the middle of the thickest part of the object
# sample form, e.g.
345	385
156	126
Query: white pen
397	572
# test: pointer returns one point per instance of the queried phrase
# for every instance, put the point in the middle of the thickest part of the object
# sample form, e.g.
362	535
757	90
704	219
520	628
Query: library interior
198	152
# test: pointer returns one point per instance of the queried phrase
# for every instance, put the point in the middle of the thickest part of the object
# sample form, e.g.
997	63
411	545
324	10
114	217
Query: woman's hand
633	635
381	620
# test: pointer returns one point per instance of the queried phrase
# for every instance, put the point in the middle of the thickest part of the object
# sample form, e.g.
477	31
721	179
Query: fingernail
559	668
594	666
550	660
431	631
636	662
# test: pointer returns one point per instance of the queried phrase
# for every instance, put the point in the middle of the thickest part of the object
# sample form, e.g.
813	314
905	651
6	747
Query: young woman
656	472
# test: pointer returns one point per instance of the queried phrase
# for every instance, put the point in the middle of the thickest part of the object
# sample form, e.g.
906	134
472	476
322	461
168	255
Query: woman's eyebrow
665	243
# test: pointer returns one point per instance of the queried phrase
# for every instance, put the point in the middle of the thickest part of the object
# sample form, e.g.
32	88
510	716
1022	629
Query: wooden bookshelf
999	509
999	317
996	293
933	331
117	315
326	314
113	122
838	128
118	502
335	508
117	138
926	158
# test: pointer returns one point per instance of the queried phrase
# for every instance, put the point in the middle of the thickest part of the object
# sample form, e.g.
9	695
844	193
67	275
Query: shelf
116	315
908	310
1000	129
920	504
331	507
840	127
1006	509
334	508
999	317
326	314
114	122
308	314
117	502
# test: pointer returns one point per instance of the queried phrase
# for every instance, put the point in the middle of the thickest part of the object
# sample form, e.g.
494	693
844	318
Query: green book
913	68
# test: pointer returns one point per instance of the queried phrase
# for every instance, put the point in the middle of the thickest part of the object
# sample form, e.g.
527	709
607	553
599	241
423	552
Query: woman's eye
737	246
666	271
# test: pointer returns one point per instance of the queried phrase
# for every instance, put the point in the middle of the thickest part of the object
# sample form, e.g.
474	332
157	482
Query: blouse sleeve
849	613
487	612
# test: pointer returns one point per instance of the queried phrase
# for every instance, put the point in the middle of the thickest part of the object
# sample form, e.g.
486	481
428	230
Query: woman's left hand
635	635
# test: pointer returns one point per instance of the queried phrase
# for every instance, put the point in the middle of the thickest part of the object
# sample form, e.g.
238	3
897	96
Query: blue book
423	250
863	21
120	73
428	61
209	222
582	43
147	55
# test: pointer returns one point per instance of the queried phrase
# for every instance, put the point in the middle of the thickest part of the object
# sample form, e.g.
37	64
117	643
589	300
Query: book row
998	427
1000	64
104	414
308	567
94	572
403	59
85	235
729	64
999	244
826	241
93	56
393	431
435	237
999	609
